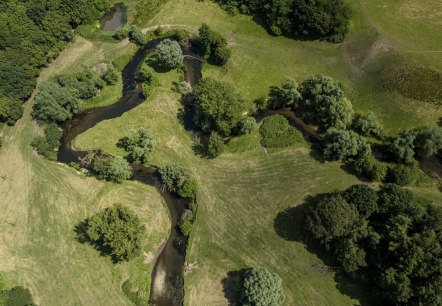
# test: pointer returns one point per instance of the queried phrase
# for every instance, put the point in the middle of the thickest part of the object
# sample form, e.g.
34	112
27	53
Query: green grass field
240	193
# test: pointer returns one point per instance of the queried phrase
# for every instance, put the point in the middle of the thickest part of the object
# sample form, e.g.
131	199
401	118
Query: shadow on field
232	286
290	225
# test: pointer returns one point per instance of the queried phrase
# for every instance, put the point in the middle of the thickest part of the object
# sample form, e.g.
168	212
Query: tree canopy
139	144
117	231
178	180
114	169
213	45
169	55
342	144
261	288
217	106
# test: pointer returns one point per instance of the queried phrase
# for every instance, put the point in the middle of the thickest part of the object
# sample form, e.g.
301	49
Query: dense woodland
305	19
32	34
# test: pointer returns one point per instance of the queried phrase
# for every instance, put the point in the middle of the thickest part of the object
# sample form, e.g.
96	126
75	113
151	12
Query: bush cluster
48	144
178	180
140	145
276	132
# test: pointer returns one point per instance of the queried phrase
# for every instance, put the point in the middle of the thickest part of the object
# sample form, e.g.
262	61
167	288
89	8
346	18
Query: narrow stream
167	275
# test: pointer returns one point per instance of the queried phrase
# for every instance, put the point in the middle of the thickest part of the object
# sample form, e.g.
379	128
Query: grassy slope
42	202
241	194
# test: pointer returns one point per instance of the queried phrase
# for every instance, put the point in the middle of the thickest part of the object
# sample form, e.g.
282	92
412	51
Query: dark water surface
115	18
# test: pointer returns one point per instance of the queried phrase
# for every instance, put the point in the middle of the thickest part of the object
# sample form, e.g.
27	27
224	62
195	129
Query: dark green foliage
215	145
424	141
114	169
169	55
178	180
276	132
284	96
261	103
341	144
122	33
214	46
363	198
415	83
247	126
367	125
403	174
140	145
32	34
217	106
117	231
48	144
305	19
82	85
261	288
331	217
10	110
149	78
324	104
136	36
396	245
187	225
54	103
18	296
111	75
369	168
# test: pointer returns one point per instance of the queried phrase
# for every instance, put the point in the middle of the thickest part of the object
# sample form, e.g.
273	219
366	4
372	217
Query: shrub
111	75
48	145
247	126
213	45
260	287
121	33
217	106
148	75
117	231
169	54
369	168
276	132
215	145
367	125
284	96
178	181
183	88
136	36
341	144
261	103
403	174
114	169
18	296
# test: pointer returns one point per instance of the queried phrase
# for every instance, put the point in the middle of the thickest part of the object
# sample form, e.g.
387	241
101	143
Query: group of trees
58	100
139	145
387	237
305	19
32	34
115	231
213	45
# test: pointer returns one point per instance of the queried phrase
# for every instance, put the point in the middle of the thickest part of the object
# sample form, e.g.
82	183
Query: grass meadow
242	193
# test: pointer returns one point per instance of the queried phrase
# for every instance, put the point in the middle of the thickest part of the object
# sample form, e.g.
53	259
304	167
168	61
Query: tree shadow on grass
82	236
290	225
232	286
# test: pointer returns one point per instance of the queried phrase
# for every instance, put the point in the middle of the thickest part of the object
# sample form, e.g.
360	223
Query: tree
261	288
117	231
403	146
284	96
368	167
341	144
114	169
217	106
178	180
247	126
213	45
169	54
367	125
331	217
364	198
428	140
324	103
276	132
111	75
403	174
215	145
54	103
140	144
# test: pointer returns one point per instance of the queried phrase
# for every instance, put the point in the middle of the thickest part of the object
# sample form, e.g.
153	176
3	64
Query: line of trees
32	34
305	19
